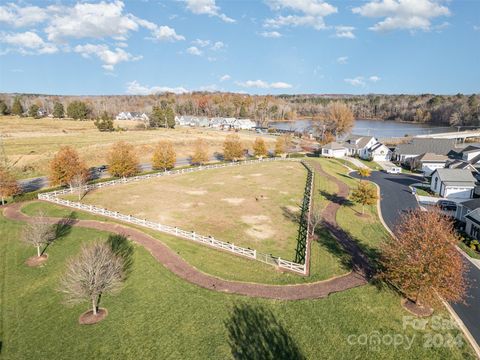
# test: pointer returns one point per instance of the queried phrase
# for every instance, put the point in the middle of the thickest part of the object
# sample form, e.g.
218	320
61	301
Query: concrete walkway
356	162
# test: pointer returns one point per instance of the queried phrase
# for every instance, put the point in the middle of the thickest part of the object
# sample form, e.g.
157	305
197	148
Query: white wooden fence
171	230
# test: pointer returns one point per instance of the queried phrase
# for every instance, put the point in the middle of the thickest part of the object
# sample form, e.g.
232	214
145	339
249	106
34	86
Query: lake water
378	128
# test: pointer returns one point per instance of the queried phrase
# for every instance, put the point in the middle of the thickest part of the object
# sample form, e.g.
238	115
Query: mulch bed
36	260
415	309
88	318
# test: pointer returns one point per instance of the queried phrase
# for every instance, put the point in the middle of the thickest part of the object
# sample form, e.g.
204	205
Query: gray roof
431	157
333	146
454	177
419	146
474	216
357	141
471	204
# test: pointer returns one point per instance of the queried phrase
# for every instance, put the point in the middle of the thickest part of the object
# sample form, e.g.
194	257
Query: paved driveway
396	197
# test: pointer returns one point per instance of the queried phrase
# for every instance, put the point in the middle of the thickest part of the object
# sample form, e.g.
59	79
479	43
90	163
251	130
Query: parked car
394	170
447	205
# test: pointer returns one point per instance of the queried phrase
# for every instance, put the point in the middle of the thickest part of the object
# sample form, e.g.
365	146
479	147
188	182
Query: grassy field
35	141
253	206
159	316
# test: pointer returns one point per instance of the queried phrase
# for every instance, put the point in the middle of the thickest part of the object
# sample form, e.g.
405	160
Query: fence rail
175	231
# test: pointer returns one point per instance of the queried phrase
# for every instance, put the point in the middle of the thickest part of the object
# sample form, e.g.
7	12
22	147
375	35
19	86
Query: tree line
454	110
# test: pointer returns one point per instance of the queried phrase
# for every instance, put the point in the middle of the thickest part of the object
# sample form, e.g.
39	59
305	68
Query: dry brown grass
35	141
253	211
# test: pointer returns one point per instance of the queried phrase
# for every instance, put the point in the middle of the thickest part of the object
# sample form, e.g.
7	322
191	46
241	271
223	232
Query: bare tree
39	233
315	218
78	183
94	272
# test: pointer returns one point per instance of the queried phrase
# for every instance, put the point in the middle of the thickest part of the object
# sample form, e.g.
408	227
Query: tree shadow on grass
62	228
340	200
255	334
122	247
292	215
324	238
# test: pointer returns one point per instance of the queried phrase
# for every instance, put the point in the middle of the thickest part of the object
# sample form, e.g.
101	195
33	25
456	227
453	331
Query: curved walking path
173	262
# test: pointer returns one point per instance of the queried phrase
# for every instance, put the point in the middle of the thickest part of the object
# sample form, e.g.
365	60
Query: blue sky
258	47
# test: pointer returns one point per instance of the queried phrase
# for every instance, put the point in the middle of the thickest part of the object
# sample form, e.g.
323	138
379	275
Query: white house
465	207
131	115
453	183
472	224
427	163
377	152
356	144
244	124
334	149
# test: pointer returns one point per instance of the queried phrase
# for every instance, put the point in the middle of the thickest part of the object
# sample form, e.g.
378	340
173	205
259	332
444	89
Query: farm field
157	315
33	142
253	205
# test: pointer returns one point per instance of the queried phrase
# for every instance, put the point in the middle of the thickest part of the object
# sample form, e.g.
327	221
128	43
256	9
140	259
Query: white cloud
193	50
357	81
402	14
476	27
17	16
271	34
28	43
110	58
225	77
218	46
201	43
166	33
260	84
342	60
360	81
135	88
344	32
307	13
207	7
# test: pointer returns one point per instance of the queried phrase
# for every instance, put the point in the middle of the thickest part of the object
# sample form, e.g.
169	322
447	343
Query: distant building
334	149
427	163
131	115
377	152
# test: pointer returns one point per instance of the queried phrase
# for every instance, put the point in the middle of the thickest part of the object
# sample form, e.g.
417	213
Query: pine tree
58	110
77	110
17	108
33	111
3	108
105	123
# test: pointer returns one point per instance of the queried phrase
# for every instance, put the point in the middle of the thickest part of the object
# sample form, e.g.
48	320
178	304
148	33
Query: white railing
172	230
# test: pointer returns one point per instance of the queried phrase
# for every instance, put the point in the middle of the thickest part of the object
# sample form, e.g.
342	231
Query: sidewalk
356	162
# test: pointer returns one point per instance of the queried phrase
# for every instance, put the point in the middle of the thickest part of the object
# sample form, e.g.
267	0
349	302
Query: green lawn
159	316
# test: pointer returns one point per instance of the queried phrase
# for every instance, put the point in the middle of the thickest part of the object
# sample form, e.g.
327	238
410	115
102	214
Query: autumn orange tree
66	165
422	261
364	172
8	184
364	194
164	156
259	148
200	152
338	119
122	160
232	148
282	144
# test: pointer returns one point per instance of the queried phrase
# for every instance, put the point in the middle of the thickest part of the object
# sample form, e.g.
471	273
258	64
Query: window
474	230
436	182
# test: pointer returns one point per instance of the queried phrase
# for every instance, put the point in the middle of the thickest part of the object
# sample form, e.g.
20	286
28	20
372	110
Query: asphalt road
396	198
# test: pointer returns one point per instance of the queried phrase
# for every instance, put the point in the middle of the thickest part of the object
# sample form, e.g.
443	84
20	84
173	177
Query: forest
453	110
